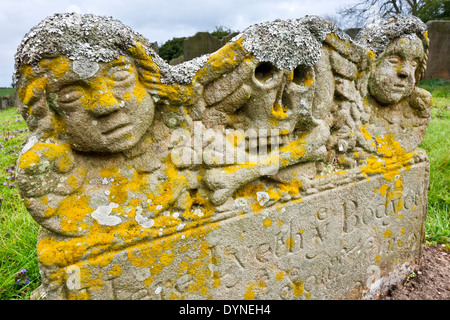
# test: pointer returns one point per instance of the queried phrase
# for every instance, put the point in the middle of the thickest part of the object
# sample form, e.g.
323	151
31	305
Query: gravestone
439	34
352	32
199	44
8	101
282	166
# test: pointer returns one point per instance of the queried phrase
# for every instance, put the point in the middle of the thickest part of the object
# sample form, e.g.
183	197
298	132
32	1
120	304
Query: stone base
38	294
351	241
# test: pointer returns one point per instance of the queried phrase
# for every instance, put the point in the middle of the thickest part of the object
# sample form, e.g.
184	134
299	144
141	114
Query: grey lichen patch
285	43
289	43
85	68
378	34
181	73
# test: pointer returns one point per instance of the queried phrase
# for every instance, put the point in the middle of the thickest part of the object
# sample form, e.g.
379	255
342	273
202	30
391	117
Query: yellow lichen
32	157
298	288
95	284
308	81
394	158
79	295
290	77
267	222
166	258
61	253
290	243
295	149
72	210
116	270
399	205
388	233
30	91
278	111
279	275
59	123
292	188
58	66
280	222
365	133
148	281
250	292
222	61
383	189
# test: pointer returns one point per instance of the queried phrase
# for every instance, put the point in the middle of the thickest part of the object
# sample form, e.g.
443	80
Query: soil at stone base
431	280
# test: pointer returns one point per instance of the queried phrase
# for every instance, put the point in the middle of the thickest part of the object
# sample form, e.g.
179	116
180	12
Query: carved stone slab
282	166
350	242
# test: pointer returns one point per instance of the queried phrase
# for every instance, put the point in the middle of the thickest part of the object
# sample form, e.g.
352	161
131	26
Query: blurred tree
221	31
359	13
335	19
171	49
434	10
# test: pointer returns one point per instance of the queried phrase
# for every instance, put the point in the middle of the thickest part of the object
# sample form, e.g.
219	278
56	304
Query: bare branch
395	6
359	12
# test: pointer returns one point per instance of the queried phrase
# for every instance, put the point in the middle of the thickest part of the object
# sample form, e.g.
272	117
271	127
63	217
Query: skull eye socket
264	72
299	74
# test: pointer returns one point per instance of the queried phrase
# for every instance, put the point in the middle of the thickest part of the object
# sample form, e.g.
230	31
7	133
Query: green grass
437	145
6	91
18	230
438	88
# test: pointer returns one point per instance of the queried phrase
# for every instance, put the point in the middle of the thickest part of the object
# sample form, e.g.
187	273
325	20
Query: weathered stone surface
349	242
283	165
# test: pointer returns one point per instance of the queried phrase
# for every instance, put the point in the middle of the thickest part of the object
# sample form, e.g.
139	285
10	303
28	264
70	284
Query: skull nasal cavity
264	71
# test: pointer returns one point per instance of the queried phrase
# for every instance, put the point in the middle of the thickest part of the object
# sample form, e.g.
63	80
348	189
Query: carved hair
100	39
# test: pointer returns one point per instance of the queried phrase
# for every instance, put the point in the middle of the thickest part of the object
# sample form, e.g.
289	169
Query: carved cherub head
80	80
400	44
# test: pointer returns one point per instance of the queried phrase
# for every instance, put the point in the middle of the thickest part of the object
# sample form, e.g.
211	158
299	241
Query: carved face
101	107
394	76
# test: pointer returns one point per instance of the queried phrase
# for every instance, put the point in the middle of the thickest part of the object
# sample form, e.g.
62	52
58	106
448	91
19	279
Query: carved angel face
100	107
393	78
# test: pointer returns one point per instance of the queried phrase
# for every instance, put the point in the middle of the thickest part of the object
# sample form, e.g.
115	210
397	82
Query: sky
157	20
